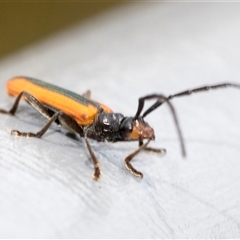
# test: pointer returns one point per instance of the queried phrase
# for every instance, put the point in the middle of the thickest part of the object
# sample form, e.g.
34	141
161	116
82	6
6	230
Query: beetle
90	119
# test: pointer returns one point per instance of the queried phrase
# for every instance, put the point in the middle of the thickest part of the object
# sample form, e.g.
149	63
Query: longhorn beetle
90	119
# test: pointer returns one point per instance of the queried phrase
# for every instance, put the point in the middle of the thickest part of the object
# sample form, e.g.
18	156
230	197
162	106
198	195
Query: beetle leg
70	124
87	94
41	132
156	150
131	156
97	172
14	107
51	115
31	100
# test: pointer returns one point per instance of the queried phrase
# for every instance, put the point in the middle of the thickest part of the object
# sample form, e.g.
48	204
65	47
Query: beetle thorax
107	126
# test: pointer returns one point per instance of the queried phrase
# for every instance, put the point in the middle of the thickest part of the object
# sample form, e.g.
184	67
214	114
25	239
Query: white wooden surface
46	190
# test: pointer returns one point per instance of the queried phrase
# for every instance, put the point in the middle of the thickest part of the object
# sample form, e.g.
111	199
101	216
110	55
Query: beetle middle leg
97	172
87	94
70	124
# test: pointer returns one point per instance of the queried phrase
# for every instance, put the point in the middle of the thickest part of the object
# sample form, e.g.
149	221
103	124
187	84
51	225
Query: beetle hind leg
52	116
15	105
41	132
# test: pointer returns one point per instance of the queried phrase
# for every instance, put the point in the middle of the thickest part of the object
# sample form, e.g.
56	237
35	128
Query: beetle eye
127	124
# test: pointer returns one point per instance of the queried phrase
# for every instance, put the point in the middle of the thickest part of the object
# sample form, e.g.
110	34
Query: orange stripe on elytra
84	115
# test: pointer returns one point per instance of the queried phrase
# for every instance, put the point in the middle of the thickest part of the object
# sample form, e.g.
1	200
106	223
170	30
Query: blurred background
23	23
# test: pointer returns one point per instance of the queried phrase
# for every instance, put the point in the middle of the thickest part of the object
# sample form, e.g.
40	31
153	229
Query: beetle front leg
156	150
131	156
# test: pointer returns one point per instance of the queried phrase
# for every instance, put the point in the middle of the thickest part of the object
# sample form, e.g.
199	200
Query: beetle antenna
159	102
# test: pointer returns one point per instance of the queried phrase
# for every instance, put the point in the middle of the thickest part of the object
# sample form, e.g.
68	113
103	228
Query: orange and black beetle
90	119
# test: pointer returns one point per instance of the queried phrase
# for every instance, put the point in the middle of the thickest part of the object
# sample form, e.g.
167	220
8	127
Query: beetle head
136	129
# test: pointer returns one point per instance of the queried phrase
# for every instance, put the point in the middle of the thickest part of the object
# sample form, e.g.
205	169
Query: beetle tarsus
16	133
23	134
97	173
5	111
133	170
161	151
156	150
